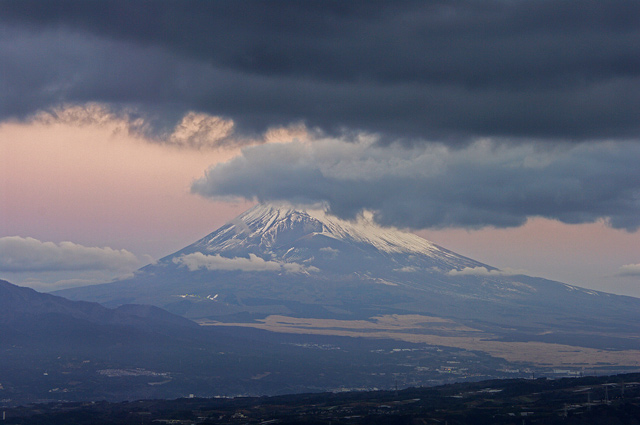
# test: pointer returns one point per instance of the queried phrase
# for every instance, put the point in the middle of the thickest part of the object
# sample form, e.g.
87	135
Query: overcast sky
507	131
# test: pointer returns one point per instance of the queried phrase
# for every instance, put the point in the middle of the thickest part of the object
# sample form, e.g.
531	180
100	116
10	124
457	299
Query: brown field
444	332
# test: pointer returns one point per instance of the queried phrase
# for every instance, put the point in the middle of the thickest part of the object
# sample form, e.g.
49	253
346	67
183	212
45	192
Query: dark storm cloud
447	70
480	185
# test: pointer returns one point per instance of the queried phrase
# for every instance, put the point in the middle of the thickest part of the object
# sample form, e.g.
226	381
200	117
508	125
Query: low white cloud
18	254
483	271
298	268
406	269
332	252
254	263
629	270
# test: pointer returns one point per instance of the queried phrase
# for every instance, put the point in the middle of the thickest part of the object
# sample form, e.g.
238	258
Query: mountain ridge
279	260
18	303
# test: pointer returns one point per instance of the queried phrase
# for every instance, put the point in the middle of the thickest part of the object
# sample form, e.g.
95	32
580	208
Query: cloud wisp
483	271
408	70
197	131
629	270
485	184
254	263
18	254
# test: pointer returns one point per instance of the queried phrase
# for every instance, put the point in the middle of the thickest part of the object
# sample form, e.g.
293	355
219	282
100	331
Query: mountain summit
263	224
289	240
306	263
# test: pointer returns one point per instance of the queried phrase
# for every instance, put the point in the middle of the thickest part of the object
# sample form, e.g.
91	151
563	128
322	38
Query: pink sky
97	184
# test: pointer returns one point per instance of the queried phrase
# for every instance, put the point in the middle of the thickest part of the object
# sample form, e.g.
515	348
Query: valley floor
444	332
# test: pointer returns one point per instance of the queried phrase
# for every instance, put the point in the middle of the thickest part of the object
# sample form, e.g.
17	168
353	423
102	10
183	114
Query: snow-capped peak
270	219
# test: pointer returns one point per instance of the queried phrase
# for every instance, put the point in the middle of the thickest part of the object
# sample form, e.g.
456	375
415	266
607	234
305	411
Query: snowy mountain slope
276	259
292	245
313	237
264	224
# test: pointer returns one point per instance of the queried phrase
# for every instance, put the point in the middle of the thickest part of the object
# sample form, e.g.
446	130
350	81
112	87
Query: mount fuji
277	261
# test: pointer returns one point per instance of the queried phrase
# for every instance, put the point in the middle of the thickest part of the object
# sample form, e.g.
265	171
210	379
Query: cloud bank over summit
485	184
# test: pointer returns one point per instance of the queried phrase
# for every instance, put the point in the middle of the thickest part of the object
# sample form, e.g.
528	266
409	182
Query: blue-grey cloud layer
452	71
481	185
